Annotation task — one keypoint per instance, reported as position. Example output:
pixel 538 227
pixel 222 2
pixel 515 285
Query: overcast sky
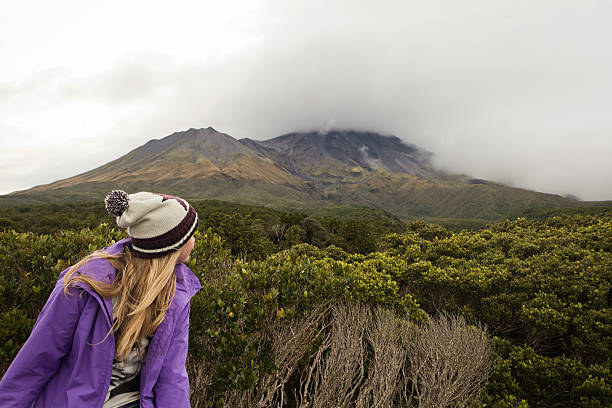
pixel 514 91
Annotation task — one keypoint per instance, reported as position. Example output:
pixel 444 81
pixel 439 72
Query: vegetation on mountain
pixel 272 324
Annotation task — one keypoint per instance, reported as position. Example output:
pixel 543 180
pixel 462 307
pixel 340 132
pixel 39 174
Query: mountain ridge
pixel 299 169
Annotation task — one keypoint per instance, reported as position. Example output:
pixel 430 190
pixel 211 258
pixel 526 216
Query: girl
pixel 114 331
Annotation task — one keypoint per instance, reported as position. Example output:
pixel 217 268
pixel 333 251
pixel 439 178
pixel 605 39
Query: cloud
pixel 132 79
pixel 24 166
pixel 510 91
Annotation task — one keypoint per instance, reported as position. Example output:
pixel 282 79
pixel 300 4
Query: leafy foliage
pixel 542 288
pixel 249 231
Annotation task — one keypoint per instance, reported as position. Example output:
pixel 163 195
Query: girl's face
pixel 186 250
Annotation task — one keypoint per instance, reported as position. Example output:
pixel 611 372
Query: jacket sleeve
pixel 40 356
pixel 172 386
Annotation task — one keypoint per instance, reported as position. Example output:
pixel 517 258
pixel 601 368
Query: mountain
pixel 300 169
pixel 197 163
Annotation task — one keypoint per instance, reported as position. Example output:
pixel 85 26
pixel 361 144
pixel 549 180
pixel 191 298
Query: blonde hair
pixel 145 288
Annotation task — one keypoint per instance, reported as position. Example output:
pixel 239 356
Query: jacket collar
pixel 186 280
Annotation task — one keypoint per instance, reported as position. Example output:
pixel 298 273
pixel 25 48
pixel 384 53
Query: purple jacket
pixel 60 364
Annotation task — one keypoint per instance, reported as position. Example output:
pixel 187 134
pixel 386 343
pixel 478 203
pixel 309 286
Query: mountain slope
pixel 191 154
pixel 328 157
pixel 308 169
pixel 196 162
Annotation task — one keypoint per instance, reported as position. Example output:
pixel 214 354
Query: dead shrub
pixel 338 367
pixel 388 357
pixel 449 363
pixel 291 343
pixel 355 355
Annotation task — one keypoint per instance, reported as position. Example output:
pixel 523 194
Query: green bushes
pixel 542 288
pixel 239 300
pixel 521 374
pixel 249 231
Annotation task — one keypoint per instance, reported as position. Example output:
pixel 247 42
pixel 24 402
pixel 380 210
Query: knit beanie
pixel 156 223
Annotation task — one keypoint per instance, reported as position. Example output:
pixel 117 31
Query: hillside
pixel 197 163
pixel 298 170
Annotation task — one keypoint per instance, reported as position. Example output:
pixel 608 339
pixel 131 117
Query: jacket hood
pixel 187 284
pixel 103 271
pixel 100 269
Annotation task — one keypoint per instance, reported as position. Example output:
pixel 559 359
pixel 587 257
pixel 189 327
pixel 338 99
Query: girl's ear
pixel 186 250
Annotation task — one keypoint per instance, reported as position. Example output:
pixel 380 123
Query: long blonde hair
pixel 145 289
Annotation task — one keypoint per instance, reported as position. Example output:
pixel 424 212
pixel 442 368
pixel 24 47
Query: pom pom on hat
pixel 116 202
pixel 157 224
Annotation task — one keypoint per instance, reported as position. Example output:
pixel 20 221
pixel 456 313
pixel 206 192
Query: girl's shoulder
pixel 99 268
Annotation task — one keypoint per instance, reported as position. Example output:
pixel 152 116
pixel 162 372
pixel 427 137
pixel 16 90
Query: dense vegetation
pixel 251 231
pixel 541 287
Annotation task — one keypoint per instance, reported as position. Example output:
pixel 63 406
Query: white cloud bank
pixel 518 92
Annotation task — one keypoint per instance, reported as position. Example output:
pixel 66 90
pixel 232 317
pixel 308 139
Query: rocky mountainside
pixel 329 157
pixel 302 169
